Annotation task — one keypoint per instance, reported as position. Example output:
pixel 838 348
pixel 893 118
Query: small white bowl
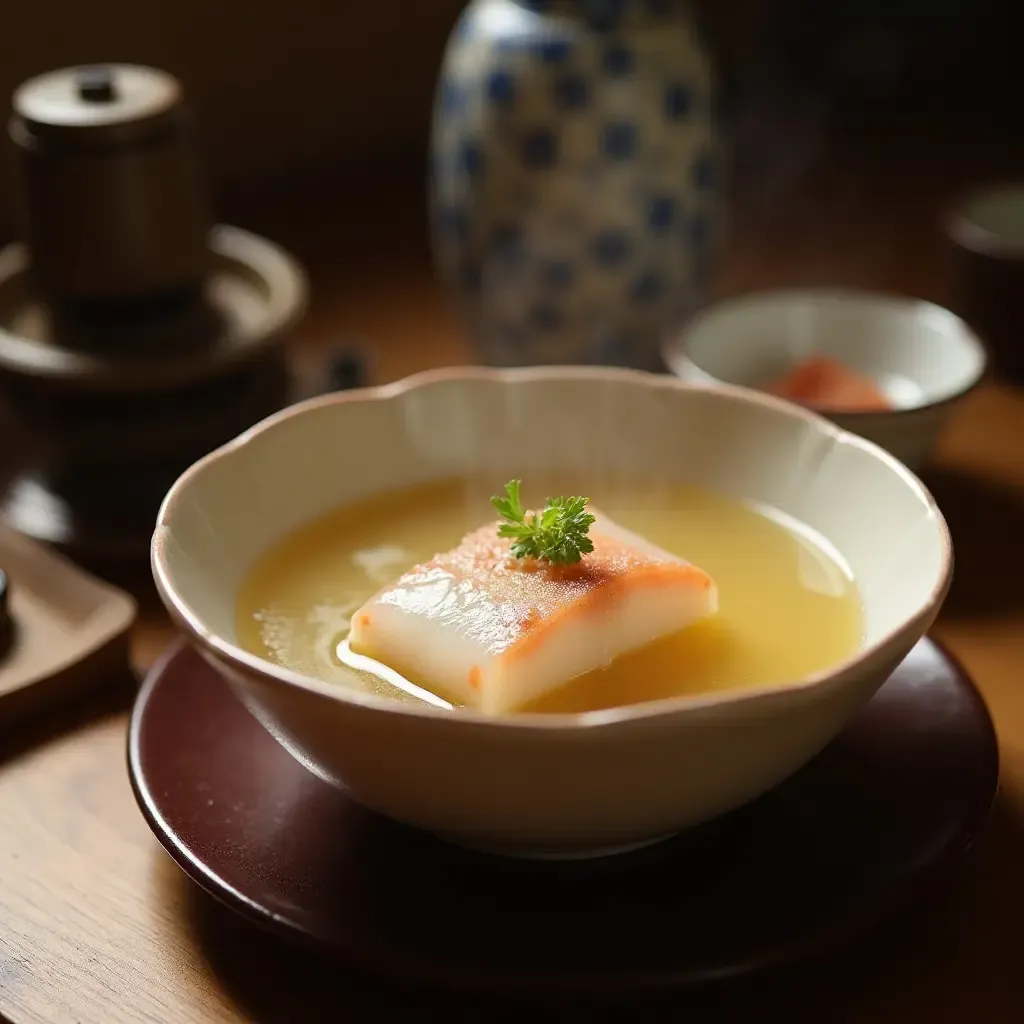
pixel 534 784
pixel 922 357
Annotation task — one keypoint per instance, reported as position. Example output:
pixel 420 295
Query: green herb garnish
pixel 557 535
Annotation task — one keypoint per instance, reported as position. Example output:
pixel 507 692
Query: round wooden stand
pixel 112 408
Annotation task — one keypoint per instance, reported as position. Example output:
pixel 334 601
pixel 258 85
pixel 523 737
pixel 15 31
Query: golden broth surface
pixel 788 605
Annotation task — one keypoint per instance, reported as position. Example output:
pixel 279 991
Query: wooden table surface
pixel 97 926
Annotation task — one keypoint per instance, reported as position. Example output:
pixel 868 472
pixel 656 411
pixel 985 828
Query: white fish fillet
pixel 494 632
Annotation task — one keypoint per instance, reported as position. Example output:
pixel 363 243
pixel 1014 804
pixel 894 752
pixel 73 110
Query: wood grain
pixel 97 926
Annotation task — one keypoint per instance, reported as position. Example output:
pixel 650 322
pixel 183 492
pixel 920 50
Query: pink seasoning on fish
pixel 495 632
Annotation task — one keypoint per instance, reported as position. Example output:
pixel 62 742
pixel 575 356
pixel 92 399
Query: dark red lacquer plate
pixel 899 795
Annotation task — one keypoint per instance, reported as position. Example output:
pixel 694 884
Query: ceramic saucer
pixel 900 795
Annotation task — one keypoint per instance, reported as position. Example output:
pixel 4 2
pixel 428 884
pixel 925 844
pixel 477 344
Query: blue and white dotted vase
pixel 574 177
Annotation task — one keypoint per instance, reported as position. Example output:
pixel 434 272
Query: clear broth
pixel 788 605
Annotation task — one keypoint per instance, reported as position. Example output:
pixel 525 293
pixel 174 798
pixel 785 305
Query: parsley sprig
pixel 558 534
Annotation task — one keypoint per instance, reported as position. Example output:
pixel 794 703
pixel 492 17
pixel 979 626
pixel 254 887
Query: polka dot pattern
pixel 575 178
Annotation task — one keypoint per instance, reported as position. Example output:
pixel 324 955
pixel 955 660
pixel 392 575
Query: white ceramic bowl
pixel 923 358
pixel 560 785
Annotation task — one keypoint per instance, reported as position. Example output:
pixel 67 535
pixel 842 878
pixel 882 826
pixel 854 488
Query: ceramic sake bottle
pixel 574 178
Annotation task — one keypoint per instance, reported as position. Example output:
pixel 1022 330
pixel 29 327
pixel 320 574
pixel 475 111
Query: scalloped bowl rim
pixel 243 661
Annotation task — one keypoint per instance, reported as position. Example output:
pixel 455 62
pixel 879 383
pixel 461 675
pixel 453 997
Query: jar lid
pixel 98 98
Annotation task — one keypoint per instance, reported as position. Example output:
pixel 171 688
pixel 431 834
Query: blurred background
pixel 314 88
pixel 849 127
